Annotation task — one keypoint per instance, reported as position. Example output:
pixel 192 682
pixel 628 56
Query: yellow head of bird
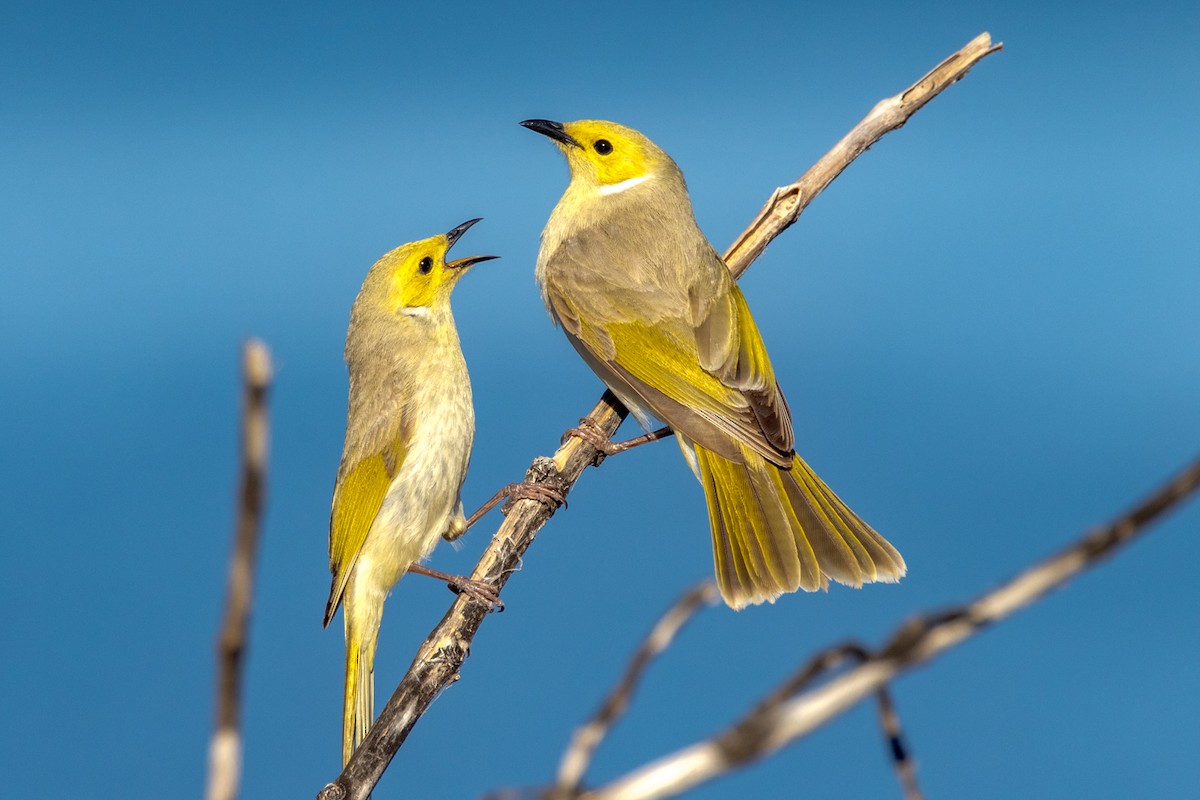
pixel 605 155
pixel 417 275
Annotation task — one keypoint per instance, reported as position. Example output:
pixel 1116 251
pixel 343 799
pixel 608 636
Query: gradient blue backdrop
pixel 987 329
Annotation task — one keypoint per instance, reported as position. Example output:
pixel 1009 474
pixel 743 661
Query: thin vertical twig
pixel 225 751
pixel 898 750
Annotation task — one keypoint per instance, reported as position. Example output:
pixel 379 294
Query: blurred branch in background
pixel 441 655
pixel 225 751
pixel 588 737
pixel 785 715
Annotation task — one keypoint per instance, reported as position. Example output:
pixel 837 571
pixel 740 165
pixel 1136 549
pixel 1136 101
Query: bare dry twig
pixel 784 717
pixel 588 737
pixel 788 202
pixel 225 751
pixel 440 656
pixel 889 720
pixel 902 763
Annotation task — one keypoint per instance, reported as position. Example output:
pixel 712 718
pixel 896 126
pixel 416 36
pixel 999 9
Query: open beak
pixel 552 129
pixel 463 263
pixel 453 236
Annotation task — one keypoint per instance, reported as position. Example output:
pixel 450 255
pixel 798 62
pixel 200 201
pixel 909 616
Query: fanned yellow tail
pixel 777 530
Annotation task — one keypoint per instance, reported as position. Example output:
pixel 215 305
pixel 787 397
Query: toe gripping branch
pixel 484 592
pixel 525 490
pixel 533 487
pixel 589 431
pixel 546 495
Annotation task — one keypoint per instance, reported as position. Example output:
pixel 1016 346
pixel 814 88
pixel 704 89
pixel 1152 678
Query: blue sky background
pixel 987 329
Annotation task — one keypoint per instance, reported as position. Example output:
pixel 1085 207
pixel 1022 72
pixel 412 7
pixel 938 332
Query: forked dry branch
pixel 786 715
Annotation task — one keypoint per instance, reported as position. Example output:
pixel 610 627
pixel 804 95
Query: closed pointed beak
pixel 554 130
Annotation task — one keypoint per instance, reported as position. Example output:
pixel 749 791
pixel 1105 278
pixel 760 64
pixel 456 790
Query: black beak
pixel 453 236
pixel 463 263
pixel 552 129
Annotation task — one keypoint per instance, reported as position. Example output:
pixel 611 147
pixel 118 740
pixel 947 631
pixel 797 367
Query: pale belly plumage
pixel 424 498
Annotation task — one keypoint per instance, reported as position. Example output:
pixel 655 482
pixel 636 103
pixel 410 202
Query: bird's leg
pixel 590 432
pixel 482 591
pixel 519 491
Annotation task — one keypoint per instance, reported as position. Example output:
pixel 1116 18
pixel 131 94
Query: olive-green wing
pixel 703 369
pixel 364 478
pixel 731 348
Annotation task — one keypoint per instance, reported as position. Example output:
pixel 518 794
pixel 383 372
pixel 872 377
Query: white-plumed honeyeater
pixel 652 308
pixel 409 430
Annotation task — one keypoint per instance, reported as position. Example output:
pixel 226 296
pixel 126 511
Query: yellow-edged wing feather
pixel 695 377
pixel 357 499
pixel 701 367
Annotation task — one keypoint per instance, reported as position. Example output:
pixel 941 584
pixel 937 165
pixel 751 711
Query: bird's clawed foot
pixel 590 432
pixel 484 592
pixel 546 495
pixel 513 492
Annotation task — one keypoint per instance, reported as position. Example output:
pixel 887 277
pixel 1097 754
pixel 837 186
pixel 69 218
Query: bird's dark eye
pixel 603 146
pixel 425 266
